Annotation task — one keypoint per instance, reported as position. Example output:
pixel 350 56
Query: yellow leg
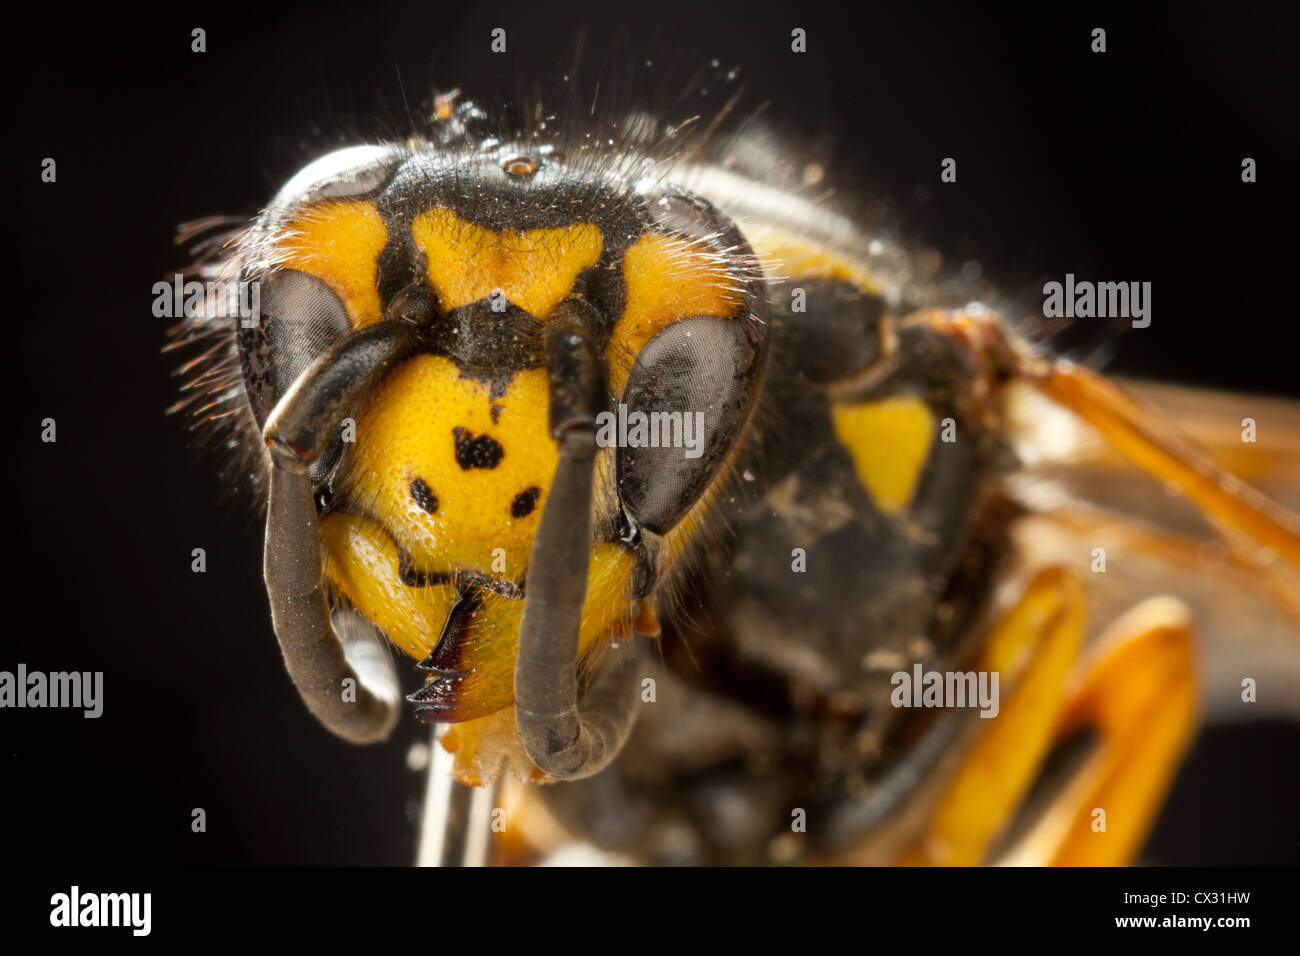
pixel 1139 689
pixel 1032 648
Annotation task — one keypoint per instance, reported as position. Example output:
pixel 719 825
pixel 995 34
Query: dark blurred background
pixel 1117 166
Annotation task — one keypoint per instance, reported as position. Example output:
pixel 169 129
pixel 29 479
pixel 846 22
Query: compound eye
pixel 299 318
pixel 694 382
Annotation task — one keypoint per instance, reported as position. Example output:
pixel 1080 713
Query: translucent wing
pixel 1229 554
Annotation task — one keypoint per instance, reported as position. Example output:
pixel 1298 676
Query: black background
pixel 1118 166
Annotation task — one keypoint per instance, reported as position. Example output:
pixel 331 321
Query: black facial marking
pixel 495 411
pixel 462 579
pixel 424 496
pixel 525 502
pixel 476 451
pixel 489 346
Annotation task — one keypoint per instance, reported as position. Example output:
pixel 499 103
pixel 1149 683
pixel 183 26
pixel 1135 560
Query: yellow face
pixel 453 483
pixel 448 474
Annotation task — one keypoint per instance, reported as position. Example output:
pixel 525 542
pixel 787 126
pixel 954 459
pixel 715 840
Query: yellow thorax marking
pixel 534 269
pixel 795 257
pixel 889 441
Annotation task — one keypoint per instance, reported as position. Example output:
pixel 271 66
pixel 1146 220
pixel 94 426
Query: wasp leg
pixel 1035 643
pixel 1138 688
pixel 346 679
pixel 561 740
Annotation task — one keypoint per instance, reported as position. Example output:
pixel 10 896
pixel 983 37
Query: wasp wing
pixel 1131 533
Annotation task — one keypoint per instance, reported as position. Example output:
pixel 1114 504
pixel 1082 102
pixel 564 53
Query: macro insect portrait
pixel 712 438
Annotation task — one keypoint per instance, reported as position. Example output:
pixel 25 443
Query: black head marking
pixel 476 451
pixel 525 502
pixel 424 496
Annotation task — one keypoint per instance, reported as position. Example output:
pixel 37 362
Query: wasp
pixel 696 503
